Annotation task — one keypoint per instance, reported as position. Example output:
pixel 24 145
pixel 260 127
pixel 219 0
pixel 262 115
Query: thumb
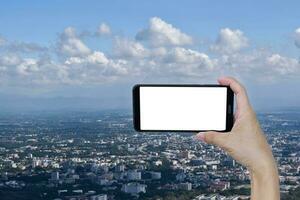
pixel 214 138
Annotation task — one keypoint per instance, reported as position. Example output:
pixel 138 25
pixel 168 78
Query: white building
pixel 134 175
pixel 134 188
pixel 214 167
pixel 36 163
pixel 209 197
pixel 99 197
pixel 185 186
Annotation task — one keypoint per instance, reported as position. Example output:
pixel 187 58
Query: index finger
pixel 239 90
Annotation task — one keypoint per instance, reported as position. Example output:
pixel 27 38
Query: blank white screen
pixel 183 108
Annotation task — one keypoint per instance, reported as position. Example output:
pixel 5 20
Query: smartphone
pixel 182 108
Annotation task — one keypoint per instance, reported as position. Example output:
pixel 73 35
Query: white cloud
pixel 71 45
pixel 126 48
pixel 94 58
pixel 283 65
pixel 297 37
pixel 28 66
pixel 104 29
pixel 160 33
pixel 74 62
pixel 258 65
pixel 158 52
pixel 9 60
pixel 21 47
pixel 188 56
pixel 95 68
pixel 230 41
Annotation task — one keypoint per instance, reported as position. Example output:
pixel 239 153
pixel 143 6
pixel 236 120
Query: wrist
pixel 265 183
pixel 265 174
pixel 264 169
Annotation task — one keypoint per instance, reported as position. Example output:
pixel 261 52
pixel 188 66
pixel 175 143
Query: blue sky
pixel 55 51
pixel 40 20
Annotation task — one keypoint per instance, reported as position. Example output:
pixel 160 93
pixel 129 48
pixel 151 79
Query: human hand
pixel 246 142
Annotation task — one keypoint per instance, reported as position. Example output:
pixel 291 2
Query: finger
pixel 239 91
pixel 214 138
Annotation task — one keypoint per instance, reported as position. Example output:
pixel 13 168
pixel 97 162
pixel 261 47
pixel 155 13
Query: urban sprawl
pixel 98 156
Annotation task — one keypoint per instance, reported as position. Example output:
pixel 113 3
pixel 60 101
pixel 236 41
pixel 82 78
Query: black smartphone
pixel 182 108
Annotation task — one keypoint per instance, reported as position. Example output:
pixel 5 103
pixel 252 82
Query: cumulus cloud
pixel 96 68
pixel 104 29
pixel 282 64
pixel 159 51
pixel 27 67
pixel 94 58
pixel 160 33
pixel 297 37
pixel 230 41
pixel 188 56
pixel 71 45
pixel 259 65
pixel 128 48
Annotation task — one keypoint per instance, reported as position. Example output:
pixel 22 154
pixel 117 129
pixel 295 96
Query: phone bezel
pixel 136 106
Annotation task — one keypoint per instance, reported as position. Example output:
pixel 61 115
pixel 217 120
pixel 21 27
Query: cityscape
pixel 67 70
pixel 98 156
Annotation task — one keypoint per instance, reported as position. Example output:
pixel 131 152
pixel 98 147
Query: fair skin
pixel 247 144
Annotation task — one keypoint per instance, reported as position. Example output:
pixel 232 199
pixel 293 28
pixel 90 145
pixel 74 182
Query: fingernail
pixel 200 136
